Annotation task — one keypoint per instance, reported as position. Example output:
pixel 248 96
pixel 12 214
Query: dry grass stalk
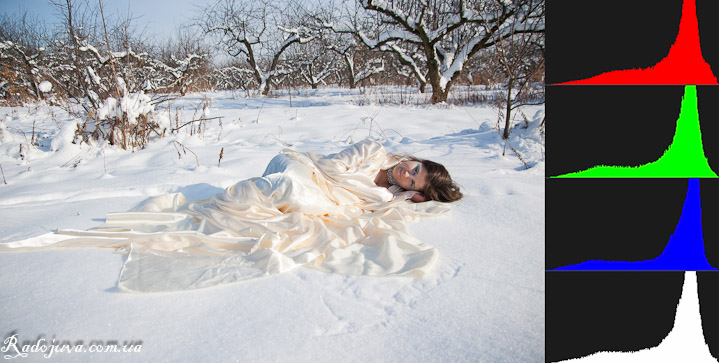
pixel 3 175
pixel 184 151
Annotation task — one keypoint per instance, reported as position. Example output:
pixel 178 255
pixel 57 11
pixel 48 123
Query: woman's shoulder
pixel 367 144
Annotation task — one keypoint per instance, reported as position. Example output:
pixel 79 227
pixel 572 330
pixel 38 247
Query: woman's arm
pixel 418 197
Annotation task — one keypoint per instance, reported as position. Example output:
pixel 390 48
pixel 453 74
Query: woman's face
pixel 410 175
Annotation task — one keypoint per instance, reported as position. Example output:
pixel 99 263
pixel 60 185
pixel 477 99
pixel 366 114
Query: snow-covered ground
pixel 483 302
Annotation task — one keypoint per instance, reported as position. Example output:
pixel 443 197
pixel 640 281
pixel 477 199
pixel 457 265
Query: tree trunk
pixel 266 89
pixel 508 112
pixel 29 71
pixel 75 55
pixel 422 86
pixel 438 94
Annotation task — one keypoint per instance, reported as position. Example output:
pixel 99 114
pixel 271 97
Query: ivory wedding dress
pixel 307 209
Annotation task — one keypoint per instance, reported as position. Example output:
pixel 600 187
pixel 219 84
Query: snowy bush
pixel 129 122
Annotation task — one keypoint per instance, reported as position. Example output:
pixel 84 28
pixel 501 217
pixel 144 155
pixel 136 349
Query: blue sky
pixel 161 17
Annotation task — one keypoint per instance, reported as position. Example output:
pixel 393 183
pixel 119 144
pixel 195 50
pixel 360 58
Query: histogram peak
pixel 684 250
pixel 684 158
pixel 684 63
pixel 685 342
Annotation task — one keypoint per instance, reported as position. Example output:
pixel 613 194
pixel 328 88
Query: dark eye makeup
pixel 416 171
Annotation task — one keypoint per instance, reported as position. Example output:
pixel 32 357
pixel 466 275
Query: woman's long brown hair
pixel 439 184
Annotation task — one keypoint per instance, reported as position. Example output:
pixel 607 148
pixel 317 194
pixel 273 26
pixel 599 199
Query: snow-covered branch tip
pixel 301 35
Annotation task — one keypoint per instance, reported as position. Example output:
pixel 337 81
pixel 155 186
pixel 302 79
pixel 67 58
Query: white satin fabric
pixel 306 210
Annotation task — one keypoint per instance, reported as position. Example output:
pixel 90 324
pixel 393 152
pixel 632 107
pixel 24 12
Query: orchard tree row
pixel 116 72
pixel 256 45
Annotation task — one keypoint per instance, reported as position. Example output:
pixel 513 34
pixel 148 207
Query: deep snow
pixel 484 301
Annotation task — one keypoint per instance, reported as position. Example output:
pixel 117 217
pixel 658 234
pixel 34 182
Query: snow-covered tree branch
pixel 444 34
pixel 257 31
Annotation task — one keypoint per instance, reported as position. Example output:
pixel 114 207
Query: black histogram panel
pixel 708 18
pixel 709 193
pixel 708 105
pixel 708 288
pixel 588 312
pixel 610 219
pixel 586 38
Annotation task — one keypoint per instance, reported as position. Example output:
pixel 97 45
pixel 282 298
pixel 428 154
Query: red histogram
pixel 683 65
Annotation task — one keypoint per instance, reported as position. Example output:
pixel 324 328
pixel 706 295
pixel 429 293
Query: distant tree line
pixel 261 45
pixel 257 45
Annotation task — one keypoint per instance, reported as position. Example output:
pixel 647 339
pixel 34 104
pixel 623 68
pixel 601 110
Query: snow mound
pixel 45 86
pixel 133 105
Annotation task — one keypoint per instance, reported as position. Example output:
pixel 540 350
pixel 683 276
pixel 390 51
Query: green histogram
pixel 683 159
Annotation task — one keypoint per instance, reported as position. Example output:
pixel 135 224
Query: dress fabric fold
pixel 307 209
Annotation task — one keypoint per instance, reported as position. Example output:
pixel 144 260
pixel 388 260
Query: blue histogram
pixel 683 252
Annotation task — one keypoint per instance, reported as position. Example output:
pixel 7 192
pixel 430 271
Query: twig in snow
pixel 75 160
pixel 3 175
pixel 526 120
pixel 472 117
pixel 278 139
pixel 221 153
pixel 219 135
pixel 506 142
pixel 33 141
pixel 257 121
pixel 185 150
pixel 198 120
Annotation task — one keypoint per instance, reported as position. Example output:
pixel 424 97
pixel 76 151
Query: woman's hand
pixel 418 197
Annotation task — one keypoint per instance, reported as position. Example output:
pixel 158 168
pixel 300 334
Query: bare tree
pixel 100 62
pixel 79 26
pixel 520 59
pixel 436 38
pixel 314 63
pixel 231 77
pixel 257 31
pixel 360 64
pixel 23 42
pixel 182 62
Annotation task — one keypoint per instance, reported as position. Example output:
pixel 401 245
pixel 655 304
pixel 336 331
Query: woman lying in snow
pixel 342 213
